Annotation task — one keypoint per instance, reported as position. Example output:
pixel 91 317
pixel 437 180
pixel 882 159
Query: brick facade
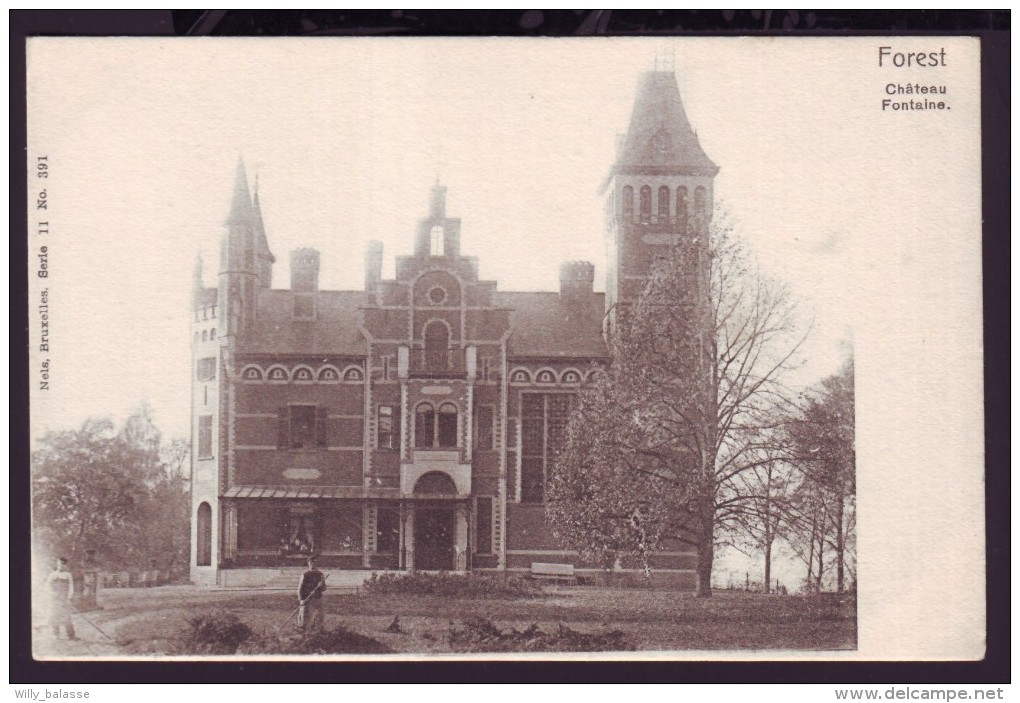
pixel 413 424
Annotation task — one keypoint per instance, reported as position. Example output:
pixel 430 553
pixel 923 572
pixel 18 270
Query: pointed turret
pixel 239 273
pixel 240 206
pixel 197 289
pixel 659 193
pixel 660 136
pixel 262 253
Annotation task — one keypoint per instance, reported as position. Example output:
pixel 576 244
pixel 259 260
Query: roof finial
pixel 669 60
pixel 664 60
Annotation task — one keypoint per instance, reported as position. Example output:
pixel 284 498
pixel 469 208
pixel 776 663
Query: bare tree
pixel 824 515
pixel 686 409
pixel 768 488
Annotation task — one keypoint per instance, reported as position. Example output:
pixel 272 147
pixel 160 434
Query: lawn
pixel 150 621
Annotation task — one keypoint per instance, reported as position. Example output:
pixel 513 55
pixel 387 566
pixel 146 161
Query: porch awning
pixel 311 492
pixel 448 497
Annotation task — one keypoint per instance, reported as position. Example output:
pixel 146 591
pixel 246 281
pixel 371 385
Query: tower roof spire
pixel 660 137
pixel 261 241
pixel 240 206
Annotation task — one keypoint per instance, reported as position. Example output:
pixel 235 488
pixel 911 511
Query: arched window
pixel 646 203
pixel 212 334
pixel 353 374
pixel 437 346
pixel 447 430
pixel 681 203
pixel 203 556
pixel 252 373
pixel 424 426
pixel 628 203
pixel 205 336
pixel 664 204
pixel 436 236
pixel 699 199
pixel 435 430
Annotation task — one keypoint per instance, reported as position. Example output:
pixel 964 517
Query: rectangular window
pixel 543 437
pixel 205 369
pixel 483 526
pixel 300 533
pixel 447 433
pixel 341 527
pixel 205 436
pixel 483 427
pixel 387 530
pixel 301 427
pixel 389 427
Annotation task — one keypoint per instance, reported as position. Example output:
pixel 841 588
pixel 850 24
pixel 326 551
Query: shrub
pixel 481 635
pixel 471 585
pixel 338 640
pixel 214 633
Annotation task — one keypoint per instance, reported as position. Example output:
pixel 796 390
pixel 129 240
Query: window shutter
pixel 321 416
pixel 283 428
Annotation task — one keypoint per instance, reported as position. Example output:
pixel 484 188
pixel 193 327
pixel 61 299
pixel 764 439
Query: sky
pixel 870 216
pixel 346 138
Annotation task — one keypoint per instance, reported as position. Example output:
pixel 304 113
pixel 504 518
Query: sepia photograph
pixel 466 348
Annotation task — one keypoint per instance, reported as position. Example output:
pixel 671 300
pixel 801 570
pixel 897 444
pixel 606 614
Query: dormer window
pixel 436 239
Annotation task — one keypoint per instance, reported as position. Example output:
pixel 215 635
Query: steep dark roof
pixel 543 325
pixel 240 205
pixel 261 243
pixel 660 137
pixel 547 325
pixel 333 331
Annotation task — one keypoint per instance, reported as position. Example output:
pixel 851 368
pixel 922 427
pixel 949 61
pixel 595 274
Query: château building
pixel 414 424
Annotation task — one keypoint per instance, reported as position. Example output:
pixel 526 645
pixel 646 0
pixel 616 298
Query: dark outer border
pixel 993 29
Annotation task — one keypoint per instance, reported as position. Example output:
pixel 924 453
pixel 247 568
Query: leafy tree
pixel 660 441
pixel 119 492
pixel 86 488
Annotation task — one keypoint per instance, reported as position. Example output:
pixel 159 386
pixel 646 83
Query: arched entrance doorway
pixel 434 524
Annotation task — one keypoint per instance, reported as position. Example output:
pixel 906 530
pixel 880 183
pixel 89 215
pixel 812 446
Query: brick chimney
pixel 304 270
pixel 577 279
pixel 373 264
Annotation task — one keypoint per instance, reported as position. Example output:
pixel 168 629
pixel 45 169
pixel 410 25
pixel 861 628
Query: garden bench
pixel 555 572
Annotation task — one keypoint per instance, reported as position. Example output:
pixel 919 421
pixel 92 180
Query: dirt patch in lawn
pixel 150 623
